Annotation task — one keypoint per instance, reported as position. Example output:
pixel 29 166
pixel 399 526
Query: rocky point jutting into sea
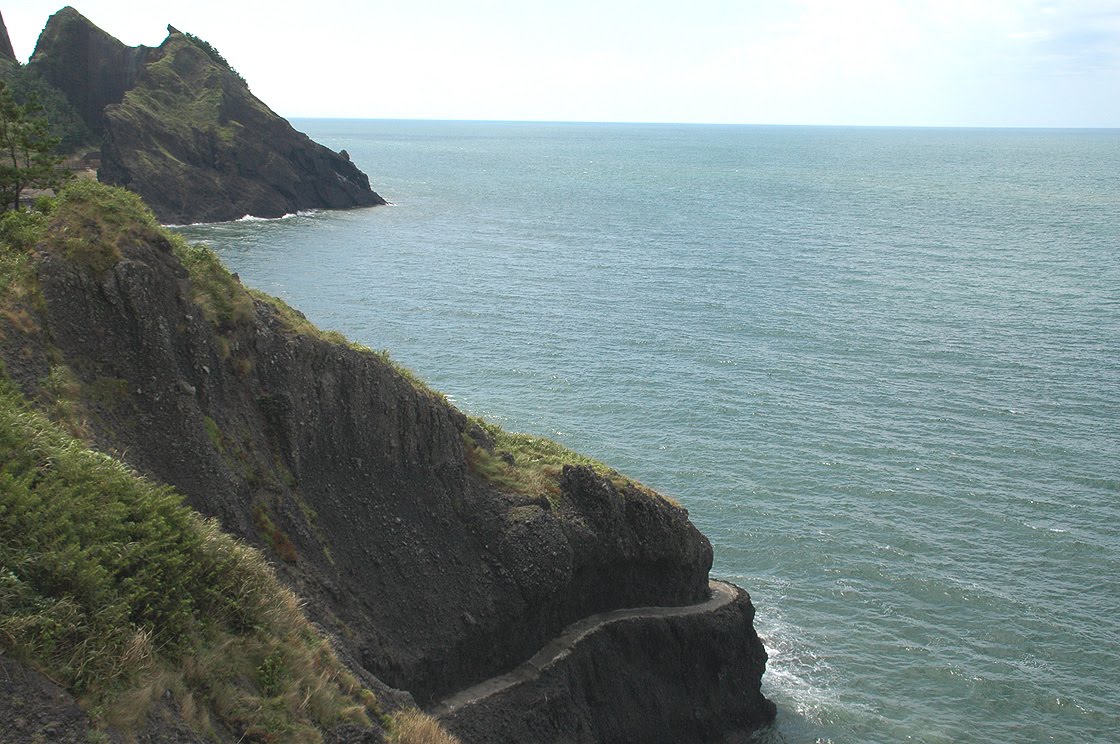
pixel 177 125
pixel 515 591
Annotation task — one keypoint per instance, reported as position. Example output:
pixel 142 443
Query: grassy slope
pixel 113 587
pixel 119 592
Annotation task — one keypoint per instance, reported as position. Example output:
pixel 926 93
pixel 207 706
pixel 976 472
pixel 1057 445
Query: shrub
pixel 417 727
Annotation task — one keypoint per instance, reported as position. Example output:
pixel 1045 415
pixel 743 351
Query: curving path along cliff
pixel 561 646
pixel 558 694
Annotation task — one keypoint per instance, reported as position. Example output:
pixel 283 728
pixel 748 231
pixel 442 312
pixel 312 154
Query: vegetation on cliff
pixel 435 550
pixel 118 591
pixel 108 582
pixel 27 148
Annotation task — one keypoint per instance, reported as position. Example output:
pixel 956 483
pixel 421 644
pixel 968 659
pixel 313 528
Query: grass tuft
pixel 531 465
pixel 417 727
pixel 20 231
pixel 279 539
pixel 223 300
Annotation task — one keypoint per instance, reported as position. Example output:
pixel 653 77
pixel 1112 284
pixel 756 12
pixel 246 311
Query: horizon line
pixel 454 120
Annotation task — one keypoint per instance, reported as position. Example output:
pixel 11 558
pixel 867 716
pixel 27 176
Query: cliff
pixel 6 51
pixel 435 550
pixel 180 127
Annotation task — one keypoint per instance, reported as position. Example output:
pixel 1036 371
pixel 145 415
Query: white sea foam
pixel 287 216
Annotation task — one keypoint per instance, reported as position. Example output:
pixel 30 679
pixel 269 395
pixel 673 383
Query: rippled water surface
pixel 880 367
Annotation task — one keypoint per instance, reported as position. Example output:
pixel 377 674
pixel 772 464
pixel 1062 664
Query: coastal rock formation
pixel 90 67
pixel 372 495
pixel 701 664
pixel 6 51
pixel 181 128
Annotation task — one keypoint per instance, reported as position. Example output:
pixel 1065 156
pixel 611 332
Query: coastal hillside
pixel 178 125
pixel 433 550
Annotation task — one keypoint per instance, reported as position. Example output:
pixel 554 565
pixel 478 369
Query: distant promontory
pixel 179 126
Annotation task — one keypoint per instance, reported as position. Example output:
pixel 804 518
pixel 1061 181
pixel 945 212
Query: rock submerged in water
pixel 181 128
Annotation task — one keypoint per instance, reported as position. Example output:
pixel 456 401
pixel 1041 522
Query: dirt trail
pixel 561 646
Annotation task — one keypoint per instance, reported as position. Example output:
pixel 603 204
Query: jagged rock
pixel 180 127
pixel 6 51
pixel 687 679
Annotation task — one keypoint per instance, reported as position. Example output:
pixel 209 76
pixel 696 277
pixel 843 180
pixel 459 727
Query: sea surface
pixel 881 368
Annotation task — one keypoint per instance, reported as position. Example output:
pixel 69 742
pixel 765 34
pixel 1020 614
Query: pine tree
pixel 27 148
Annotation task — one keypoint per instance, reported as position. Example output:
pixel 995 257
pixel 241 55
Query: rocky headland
pixel 436 555
pixel 177 125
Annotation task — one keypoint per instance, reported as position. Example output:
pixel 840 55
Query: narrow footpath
pixel 560 646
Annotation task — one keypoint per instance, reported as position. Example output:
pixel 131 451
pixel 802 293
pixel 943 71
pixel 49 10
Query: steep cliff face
pixel 6 51
pixel 365 487
pixel 90 67
pixel 707 664
pixel 180 127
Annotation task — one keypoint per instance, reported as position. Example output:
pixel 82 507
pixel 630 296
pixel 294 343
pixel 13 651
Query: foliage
pixel 27 148
pixel 417 727
pixel 65 123
pixel 279 539
pixel 114 588
pixel 214 54
pixel 19 232
pixel 223 300
pixel 92 223
pixel 531 465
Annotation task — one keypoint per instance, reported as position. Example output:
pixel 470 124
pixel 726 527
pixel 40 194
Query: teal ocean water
pixel 880 367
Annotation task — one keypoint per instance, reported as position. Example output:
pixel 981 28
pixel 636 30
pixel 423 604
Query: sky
pixel 989 63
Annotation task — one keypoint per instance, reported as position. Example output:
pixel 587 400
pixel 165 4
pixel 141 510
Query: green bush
pixel 92 223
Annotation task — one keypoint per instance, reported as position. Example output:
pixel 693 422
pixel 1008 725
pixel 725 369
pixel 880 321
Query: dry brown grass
pixel 417 727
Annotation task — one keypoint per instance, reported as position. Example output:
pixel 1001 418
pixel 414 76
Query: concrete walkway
pixel 561 646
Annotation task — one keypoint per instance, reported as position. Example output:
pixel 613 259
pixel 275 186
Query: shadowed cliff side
pixel 376 499
pixel 181 128
pixel 6 51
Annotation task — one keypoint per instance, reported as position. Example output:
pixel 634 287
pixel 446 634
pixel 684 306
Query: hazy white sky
pixel 877 62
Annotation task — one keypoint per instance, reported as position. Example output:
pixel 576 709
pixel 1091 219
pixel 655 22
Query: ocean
pixel 880 367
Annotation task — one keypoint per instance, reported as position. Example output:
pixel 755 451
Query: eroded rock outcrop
pixel 683 677
pixel 359 483
pixel 6 51
pixel 89 66
pixel 181 128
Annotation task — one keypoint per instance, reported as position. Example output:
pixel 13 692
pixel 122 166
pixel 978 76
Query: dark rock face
pixel 182 129
pixel 430 578
pixel 6 51
pixel 34 709
pixel 90 67
pixel 674 680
